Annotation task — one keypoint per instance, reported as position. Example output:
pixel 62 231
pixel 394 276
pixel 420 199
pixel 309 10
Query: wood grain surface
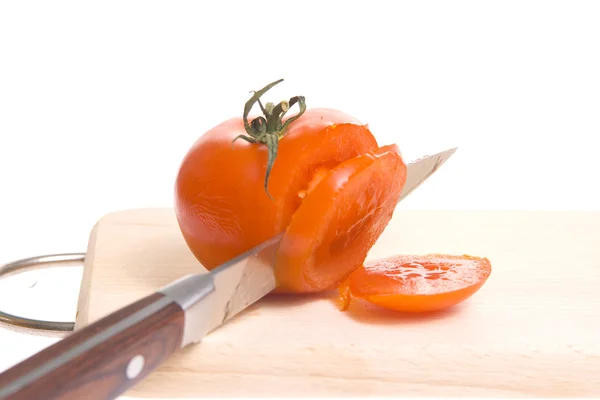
pixel 532 330
pixel 88 373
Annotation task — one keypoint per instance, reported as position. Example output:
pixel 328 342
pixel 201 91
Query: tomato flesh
pixel 221 205
pixel 417 283
pixel 339 221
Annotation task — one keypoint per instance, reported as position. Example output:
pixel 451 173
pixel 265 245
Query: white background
pixel 100 101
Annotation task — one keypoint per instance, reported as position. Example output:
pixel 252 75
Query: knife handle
pixel 106 358
pixel 102 360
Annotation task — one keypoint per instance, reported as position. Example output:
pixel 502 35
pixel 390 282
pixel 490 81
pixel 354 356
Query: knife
pixel 108 357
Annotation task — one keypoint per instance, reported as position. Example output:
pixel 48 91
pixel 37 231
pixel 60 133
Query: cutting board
pixel 532 330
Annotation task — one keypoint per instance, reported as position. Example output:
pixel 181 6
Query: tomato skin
pixel 221 205
pixel 423 283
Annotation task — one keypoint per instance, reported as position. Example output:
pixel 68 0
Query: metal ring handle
pixel 33 263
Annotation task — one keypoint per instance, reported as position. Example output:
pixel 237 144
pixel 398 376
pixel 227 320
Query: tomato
pixel 242 182
pixel 332 231
pixel 416 283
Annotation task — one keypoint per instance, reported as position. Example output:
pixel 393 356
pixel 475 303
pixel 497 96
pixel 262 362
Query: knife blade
pixel 225 291
pixel 109 356
pixel 419 170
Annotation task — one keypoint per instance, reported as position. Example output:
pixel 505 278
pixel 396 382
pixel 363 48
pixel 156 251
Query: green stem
pixel 268 130
pixel 250 103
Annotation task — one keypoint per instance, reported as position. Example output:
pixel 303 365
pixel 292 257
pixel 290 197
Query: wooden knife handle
pixel 104 359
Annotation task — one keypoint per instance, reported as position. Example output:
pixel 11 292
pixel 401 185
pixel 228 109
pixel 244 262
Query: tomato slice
pixel 339 221
pixel 416 283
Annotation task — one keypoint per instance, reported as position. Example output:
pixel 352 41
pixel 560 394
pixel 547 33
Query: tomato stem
pixel 269 129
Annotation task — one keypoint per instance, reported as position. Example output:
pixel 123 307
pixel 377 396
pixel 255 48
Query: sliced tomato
pixel 221 204
pixel 339 221
pixel 320 176
pixel 416 283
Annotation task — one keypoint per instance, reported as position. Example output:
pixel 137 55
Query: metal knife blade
pixel 210 299
pixel 422 168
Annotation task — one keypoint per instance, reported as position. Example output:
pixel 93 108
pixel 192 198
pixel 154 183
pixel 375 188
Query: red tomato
pixel 416 283
pixel 224 207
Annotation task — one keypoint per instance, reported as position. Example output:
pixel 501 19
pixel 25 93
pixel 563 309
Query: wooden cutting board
pixel 532 330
